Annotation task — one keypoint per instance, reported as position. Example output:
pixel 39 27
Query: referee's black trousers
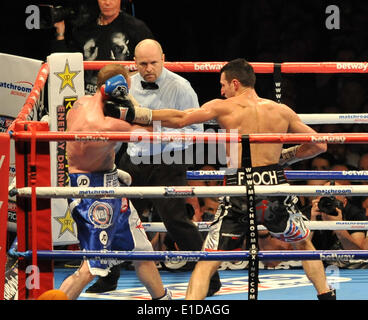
pixel 172 211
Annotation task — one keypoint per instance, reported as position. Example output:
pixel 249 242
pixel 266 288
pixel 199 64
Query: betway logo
pixel 352 66
pixel 335 257
pixel 208 66
pixel 355 173
pixel 330 139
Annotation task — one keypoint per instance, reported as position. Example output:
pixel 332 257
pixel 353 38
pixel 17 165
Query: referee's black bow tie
pixel 149 85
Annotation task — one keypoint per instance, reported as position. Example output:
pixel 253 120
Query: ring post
pixel 4 176
pixel 33 279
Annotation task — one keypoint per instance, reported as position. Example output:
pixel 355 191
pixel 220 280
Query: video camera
pixel 329 205
pixel 74 12
pixel 60 13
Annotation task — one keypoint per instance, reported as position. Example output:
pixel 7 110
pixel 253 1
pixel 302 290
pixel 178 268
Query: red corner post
pixel 32 162
pixel 4 176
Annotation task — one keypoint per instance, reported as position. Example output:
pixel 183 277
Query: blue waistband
pixel 95 179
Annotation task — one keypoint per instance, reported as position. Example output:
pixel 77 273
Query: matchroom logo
pixel 18 88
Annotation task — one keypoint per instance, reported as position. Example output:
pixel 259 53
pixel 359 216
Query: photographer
pixel 336 208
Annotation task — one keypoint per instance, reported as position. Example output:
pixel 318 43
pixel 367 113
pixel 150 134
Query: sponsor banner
pixel 65 86
pixel 16 82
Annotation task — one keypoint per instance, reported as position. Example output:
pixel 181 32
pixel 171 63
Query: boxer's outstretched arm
pixel 173 118
pixel 305 150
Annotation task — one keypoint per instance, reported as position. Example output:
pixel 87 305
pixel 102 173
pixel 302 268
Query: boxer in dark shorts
pixel 279 215
pixel 243 112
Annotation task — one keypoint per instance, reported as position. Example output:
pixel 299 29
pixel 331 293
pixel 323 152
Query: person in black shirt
pixel 111 35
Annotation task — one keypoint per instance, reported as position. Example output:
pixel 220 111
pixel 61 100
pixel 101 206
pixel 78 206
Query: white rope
pixel 176 256
pixel 334 118
pixel 184 192
pixel 312 225
pixel 327 118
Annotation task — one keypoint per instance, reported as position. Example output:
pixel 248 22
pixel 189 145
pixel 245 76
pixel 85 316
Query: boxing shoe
pixel 295 230
pixel 108 283
pixel 166 296
pixel 215 285
pixel 290 226
pixel 329 295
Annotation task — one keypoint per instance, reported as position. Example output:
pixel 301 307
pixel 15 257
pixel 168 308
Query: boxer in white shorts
pixel 98 220
pixel 107 223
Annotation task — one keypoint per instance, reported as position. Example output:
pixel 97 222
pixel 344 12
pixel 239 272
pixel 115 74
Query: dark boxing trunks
pixel 228 230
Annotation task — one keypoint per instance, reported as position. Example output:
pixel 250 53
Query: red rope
pixel 259 67
pixel 334 138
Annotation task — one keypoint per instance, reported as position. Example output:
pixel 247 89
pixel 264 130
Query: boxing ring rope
pixel 334 118
pixel 185 191
pixel 208 191
pixel 353 175
pixel 332 138
pixel 197 191
pixel 259 67
pixel 324 255
pixel 204 226
pixel 324 67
